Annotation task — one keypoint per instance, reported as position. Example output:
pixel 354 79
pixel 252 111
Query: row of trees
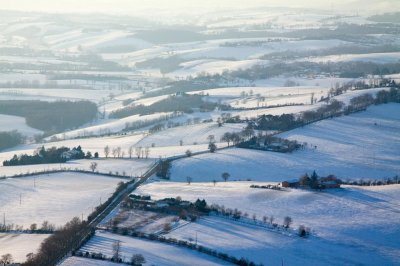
pixel 179 103
pixel 69 237
pixel 136 259
pixel 286 122
pixel 50 155
pixel 46 228
pixel 140 152
pixel 193 246
pixel 59 244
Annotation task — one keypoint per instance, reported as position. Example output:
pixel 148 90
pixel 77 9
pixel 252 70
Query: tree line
pixel 10 139
pixel 178 103
pixel 51 116
pixel 50 155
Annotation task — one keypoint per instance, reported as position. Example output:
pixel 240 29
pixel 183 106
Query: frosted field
pixel 351 226
pixel 273 96
pixel 189 135
pixel 380 58
pixel 110 125
pixel 19 245
pixel 131 167
pixel 78 261
pixel 10 122
pixel 155 253
pixel 351 147
pixel 88 144
pixel 56 198
pixel 271 248
pixel 56 94
pixel 194 68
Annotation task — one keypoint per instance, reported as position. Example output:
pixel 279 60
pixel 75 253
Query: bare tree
pixel 189 179
pixel 147 152
pixel 106 151
pixel 271 219
pixel 138 259
pixel 138 151
pixel 227 137
pixel 265 218
pixel 211 138
pixel 93 166
pixel 225 176
pixel 116 250
pixel 119 152
pixel 6 259
pixel 287 221
pixel 130 151
pixel 215 182
pixel 115 152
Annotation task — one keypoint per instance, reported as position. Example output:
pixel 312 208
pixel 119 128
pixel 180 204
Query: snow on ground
pixel 362 145
pixel 295 109
pixel 271 248
pixel 131 167
pixel 351 226
pixel 155 253
pixel 94 144
pixel 10 122
pixel 56 198
pixel 19 245
pixel 111 125
pixel 55 94
pixel 189 135
pixel 251 97
pixel 78 261
pixel 380 58
pixel 194 68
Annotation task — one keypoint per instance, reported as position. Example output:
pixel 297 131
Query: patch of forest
pixel 51 116
pixel 178 103
pixel 10 139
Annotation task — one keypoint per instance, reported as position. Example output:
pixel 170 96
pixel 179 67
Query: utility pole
pixel 4 219
pixel 20 198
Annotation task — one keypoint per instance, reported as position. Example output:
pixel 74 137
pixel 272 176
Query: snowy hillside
pixel 56 198
pixel 362 145
pixel 353 225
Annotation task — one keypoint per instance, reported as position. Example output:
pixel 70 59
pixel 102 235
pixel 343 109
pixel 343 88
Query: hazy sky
pixel 136 6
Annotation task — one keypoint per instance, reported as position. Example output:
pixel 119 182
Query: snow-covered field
pixel 78 261
pixel 56 94
pixel 351 226
pixel 155 253
pixel 189 135
pixel 56 198
pixel 19 245
pixel 111 125
pixel 10 122
pixel 362 145
pixel 131 167
pixel 380 58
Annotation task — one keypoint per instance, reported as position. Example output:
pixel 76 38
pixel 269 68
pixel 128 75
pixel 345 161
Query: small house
pixel 290 183
pixel 330 181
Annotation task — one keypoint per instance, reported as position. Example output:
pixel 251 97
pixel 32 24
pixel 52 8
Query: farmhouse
pixel 291 183
pixel 330 181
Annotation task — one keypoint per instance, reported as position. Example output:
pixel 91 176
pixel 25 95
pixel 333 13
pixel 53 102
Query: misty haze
pixel 199 133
